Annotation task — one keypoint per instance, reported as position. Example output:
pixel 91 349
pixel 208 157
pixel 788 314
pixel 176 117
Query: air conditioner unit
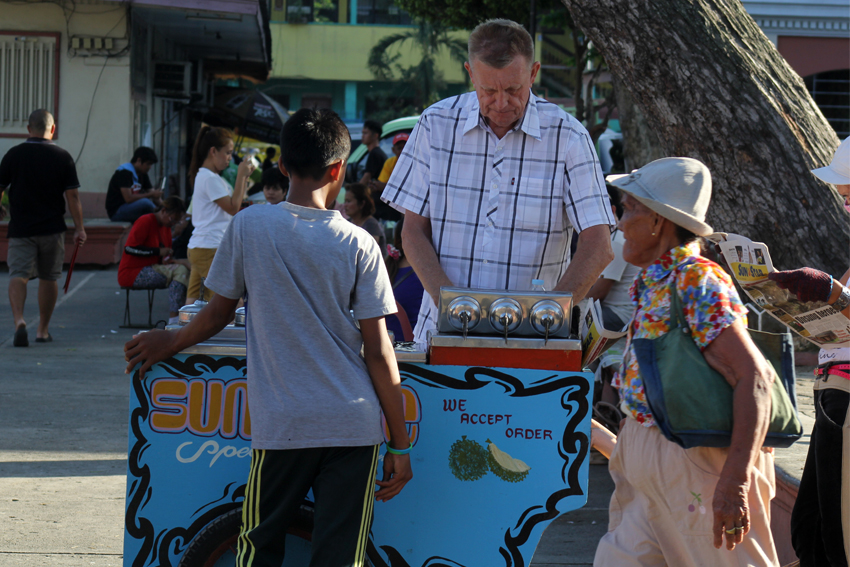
pixel 172 79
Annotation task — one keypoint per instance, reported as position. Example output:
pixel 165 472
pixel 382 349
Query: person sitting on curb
pixel 130 194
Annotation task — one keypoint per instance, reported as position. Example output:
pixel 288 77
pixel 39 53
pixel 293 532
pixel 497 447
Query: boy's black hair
pixel 374 126
pixel 273 176
pixel 147 155
pixel 311 140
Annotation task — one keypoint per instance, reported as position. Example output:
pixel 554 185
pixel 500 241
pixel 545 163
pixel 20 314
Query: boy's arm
pixel 383 370
pixel 155 346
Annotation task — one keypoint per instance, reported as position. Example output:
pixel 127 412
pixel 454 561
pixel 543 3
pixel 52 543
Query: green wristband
pixel 392 451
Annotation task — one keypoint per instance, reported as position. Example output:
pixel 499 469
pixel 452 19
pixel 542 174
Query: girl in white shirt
pixel 213 202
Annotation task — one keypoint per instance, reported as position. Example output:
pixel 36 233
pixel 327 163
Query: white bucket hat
pixel 837 172
pixel 677 188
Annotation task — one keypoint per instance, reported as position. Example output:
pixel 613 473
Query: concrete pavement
pixel 63 437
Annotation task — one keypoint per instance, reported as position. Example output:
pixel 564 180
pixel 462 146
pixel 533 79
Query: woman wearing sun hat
pixel 820 522
pixel 675 506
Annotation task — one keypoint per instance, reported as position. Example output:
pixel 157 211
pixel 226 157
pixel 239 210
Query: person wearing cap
pixel 383 211
pixel 675 506
pixel 494 183
pixel 399 140
pixel 820 521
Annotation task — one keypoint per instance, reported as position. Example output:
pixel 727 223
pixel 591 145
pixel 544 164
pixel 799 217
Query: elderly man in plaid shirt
pixel 492 184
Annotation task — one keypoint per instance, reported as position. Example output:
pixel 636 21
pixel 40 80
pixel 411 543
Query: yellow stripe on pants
pixel 250 509
pixel 368 508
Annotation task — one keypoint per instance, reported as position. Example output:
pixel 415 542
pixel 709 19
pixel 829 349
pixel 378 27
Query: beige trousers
pixel 661 510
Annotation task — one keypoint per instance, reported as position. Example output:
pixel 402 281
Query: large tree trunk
pixel 640 143
pixel 714 88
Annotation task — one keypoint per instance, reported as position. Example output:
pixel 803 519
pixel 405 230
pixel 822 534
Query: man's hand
pixel 397 473
pixel 2 211
pixel 80 236
pixel 147 349
pixel 163 252
pixel 593 254
pixel 154 194
pixel 807 284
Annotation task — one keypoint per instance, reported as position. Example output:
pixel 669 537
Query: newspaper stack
pixel 750 263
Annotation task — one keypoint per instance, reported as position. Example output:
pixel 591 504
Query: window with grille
pixel 381 12
pixel 29 78
pixel 831 91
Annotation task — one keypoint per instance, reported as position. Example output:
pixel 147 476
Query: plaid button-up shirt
pixel 501 211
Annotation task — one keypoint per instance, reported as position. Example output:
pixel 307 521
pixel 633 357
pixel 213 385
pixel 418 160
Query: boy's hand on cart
pixel 397 473
pixel 147 349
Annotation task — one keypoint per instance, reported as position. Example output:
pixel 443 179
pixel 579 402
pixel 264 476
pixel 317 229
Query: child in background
pixel 275 185
pixel 407 289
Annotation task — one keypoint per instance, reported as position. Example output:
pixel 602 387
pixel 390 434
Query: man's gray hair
pixel 497 43
pixel 40 121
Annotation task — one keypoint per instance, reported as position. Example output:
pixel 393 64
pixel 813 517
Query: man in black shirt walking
pixel 39 175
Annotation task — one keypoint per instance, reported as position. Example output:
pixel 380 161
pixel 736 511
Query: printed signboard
pixel 498 454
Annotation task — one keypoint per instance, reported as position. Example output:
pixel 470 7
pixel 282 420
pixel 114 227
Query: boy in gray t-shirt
pixel 315 402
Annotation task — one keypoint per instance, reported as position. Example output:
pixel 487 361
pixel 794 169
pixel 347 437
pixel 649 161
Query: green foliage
pixel 387 104
pixel 551 15
pixel 466 14
pixel 424 79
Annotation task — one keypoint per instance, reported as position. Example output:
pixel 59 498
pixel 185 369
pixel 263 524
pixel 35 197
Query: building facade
pixel 320 50
pixel 814 37
pixel 118 74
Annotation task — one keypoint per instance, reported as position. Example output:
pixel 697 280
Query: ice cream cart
pixel 497 410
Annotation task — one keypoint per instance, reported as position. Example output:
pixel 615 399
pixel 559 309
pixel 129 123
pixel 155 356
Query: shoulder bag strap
pixel 404 277
pixel 677 315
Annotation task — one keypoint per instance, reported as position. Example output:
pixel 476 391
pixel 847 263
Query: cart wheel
pixel 215 545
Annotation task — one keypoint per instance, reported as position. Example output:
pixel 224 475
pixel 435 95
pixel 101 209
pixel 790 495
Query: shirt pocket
pixel 531 206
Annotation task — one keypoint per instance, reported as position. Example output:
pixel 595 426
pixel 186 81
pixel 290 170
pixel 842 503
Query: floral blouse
pixel 709 302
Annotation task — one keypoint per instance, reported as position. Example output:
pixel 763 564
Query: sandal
pixel 21 338
pixel 47 339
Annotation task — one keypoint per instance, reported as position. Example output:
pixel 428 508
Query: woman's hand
pixel 246 168
pixel 731 511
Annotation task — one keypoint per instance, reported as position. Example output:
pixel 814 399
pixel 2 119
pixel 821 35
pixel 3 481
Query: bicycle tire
pixel 220 536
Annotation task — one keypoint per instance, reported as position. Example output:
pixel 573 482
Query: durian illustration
pixel 504 466
pixel 468 459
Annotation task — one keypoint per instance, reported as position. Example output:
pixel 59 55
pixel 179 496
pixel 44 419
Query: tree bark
pixel 640 143
pixel 713 87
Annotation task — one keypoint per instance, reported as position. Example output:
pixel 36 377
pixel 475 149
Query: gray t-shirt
pixel 304 270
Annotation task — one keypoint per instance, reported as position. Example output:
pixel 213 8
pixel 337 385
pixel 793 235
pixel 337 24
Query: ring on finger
pixel 731 532
pixel 739 528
